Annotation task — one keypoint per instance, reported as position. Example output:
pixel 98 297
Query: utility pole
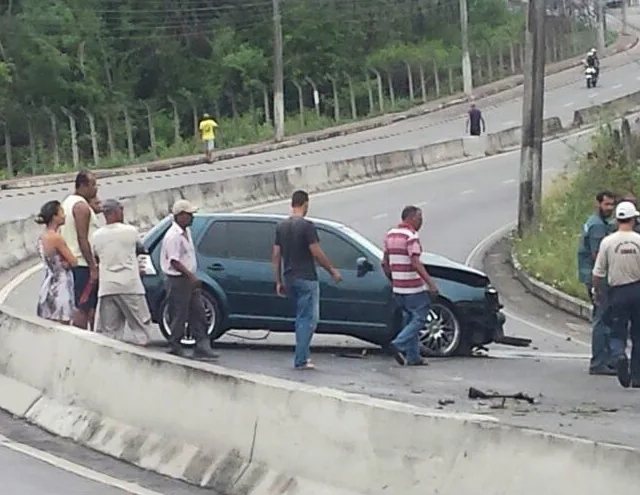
pixel 625 27
pixel 278 74
pixel 600 14
pixel 467 77
pixel 530 197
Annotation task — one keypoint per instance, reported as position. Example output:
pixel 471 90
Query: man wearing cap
pixel 619 260
pixel 208 133
pixel 179 264
pixel 121 295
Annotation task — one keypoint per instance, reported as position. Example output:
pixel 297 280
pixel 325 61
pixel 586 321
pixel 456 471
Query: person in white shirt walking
pixel 121 295
pixel 619 260
pixel 80 224
pixel 179 263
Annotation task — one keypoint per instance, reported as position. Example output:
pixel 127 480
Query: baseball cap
pixel 626 210
pixel 110 205
pixel 183 206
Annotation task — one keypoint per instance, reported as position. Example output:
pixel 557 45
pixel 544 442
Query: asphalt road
pixel 462 204
pixel 566 93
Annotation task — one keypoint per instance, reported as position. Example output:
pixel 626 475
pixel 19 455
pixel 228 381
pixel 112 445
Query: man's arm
pixel 276 261
pixel 82 215
pixel 313 241
pixel 466 125
pixel 386 265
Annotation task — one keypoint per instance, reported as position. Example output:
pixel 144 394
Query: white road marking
pixel 468 191
pixel 593 95
pixel 380 216
pixel 638 78
pixel 617 86
pixel 76 468
pixel 15 282
pixel 569 104
pixel 509 181
pixel 421 204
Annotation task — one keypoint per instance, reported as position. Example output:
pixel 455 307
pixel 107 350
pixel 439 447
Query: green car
pixel 234 264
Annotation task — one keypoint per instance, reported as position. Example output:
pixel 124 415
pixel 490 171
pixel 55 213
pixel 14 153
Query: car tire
pixel 443 335
pixel 212 308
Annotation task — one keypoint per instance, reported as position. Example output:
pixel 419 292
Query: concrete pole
pixel 625 27
pixel 467 77
pixel 530 197
pixel 601 24
pixel 278 74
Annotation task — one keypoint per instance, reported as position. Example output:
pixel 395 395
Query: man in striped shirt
pixel 411 284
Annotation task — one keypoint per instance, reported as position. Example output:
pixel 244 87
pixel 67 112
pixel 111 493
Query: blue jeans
pixel 415 309
pixel 605 347
pixel 625 315
pixel 306 295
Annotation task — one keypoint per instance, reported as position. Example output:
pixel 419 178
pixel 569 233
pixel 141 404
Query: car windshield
pixel 363 241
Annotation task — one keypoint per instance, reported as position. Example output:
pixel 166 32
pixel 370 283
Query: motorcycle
pixel 590 76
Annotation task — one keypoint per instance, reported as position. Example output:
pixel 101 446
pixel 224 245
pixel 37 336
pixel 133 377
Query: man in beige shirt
pixel 619 260
pixel 121 295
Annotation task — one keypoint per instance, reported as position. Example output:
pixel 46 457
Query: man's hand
pixel 433 289
pixel 195 281
pixel 93 274
pixel 335 275
pixel 281 289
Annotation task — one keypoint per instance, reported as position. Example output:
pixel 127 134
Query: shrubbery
pixel 551 254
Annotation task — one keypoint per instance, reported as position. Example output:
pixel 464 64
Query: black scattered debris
pixel 446 402
pixel 474 393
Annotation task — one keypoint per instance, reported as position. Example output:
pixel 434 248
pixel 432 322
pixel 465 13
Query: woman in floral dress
pixel 56 297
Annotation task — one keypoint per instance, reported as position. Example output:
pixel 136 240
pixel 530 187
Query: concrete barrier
pixel 594 114
pixel 246 434
pixel 240 433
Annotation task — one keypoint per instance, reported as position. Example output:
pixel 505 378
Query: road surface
pixel 569 95
pixel 462 204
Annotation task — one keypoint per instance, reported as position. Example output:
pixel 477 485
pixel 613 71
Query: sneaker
pixel 177 351
pixel 420 362
pixel 203 350
pixel 624 375
pixel 605 371
pixel 397 355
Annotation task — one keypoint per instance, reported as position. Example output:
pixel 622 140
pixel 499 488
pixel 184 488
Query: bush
pixel 550 255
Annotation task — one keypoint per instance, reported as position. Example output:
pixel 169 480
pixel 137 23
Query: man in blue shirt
pixel 596 228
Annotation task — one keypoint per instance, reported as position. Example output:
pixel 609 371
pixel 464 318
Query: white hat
pixel 183 206
pixel 626 210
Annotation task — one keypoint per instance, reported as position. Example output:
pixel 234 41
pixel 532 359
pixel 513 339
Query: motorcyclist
pixel 593 61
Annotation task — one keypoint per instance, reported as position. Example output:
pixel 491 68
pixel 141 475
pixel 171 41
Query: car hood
pixel 440 261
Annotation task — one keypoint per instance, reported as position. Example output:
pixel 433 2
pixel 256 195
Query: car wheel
pixel 442 335
pixel 214 318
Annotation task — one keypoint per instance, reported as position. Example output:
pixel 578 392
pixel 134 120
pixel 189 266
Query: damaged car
pixel 238 290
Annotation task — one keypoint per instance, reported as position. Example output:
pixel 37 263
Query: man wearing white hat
pixel 179 263
pixel 619 260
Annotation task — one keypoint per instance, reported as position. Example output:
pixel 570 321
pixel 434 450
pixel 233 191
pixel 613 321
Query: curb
pixel 548 294
pixel 172 163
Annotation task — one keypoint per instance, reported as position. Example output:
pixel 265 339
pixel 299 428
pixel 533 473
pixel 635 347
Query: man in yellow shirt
pixel 208 133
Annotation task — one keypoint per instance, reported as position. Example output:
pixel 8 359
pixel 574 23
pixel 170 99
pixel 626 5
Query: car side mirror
pixel 363 266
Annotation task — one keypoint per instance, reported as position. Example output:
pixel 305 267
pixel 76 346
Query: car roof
pixel 266 216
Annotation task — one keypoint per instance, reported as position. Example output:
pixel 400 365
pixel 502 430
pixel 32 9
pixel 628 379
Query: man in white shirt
pixel 121 295
pixel 179 263
pixel 618 261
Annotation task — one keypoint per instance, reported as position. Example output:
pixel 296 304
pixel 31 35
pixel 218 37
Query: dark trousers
pixel 185 307
pixel 625 318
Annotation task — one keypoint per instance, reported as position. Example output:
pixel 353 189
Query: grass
pixel 550 255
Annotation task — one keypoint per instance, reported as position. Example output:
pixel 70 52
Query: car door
pixel 357 301
pixel 237 254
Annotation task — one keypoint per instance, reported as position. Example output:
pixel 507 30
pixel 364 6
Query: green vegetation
pixel 106 82
pixel 551 254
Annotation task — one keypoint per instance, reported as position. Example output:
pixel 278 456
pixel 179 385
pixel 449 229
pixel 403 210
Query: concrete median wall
pixel 241 433
pixel 253 435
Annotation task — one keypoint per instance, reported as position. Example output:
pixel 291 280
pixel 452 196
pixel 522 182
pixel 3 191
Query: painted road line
pixel 468 191
pixel 569 104
pixel 15 282
pixel 509 181
pixel 76 469
pixel 380 216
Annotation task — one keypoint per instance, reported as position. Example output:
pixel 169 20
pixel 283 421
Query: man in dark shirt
pixel 295 251
pixel 474 120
